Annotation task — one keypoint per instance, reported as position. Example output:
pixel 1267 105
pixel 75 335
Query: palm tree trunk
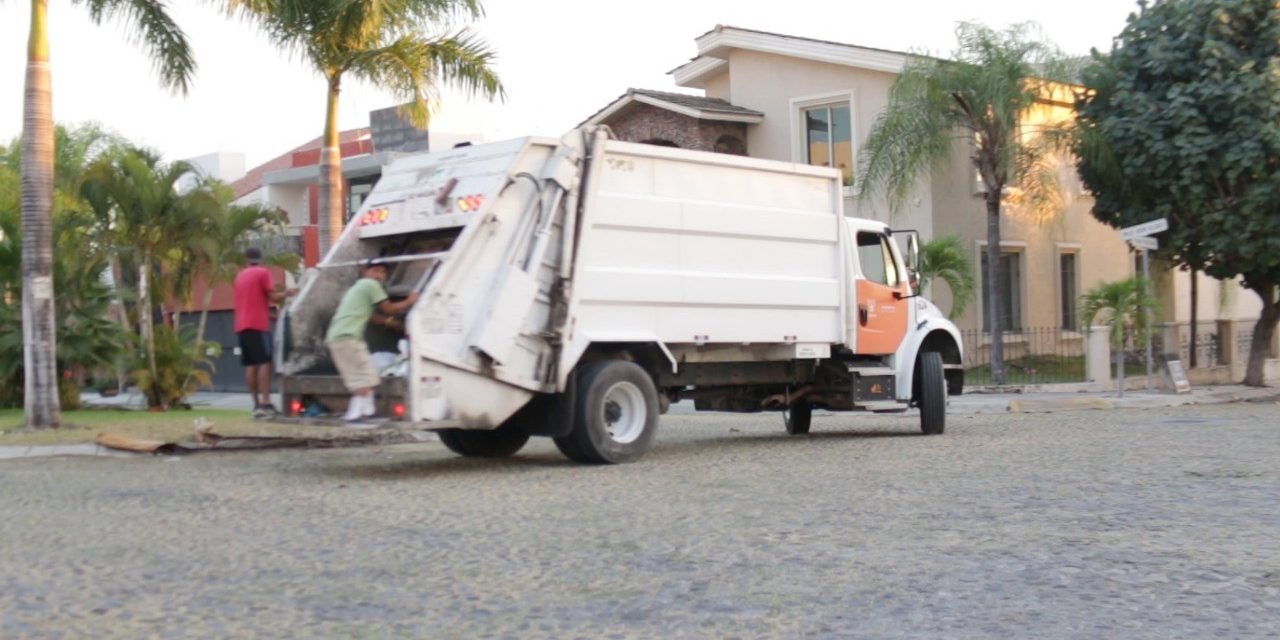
pixel 204 316
pixel 995 320
pixel 1260 347
pixel 145 320
pixel 39 326
pixel 331 206
pixel 117 278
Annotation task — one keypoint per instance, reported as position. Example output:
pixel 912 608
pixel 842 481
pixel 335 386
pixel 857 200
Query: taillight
pixel 471 203
pixel 398 410
pixel 295 407
pixel 374 216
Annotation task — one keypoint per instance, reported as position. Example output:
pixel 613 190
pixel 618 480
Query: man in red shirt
pixel 254 295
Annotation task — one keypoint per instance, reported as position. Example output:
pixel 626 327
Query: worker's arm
pixel 390 308
pixel 279 296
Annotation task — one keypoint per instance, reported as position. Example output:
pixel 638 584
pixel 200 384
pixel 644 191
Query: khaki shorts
pixel 354 364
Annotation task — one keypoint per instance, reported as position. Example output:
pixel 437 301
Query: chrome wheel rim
pixel 623 412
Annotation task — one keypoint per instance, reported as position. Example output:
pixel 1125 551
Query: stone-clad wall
pixel 644 123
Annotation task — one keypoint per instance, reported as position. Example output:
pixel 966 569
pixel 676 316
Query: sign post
pixel 1139 235
pixel 1145 229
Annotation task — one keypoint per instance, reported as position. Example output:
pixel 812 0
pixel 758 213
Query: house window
pixel 1067 287
pixel 876 259
pixel 828 131
pixel 1011 291
pixel 357 190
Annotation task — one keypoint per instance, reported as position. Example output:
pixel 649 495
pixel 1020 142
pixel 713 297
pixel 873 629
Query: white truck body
pixel 534 254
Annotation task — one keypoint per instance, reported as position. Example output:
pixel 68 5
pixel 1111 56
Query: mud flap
pixel 550 414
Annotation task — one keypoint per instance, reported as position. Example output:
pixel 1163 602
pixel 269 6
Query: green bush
pixel 180 368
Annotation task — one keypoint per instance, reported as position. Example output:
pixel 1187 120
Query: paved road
pixel 1126 523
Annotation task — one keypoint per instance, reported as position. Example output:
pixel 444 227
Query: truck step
pixel 883 406
pixel 867 372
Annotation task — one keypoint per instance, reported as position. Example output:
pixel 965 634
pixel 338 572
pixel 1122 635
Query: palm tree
pixel 148 219
pixel 90 339
pixel 1126 305
pixel 979 99
pixel 945 259
pixel 383 43
pixel 171 53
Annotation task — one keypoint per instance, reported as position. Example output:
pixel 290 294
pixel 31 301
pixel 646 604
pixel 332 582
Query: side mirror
pixel 913 253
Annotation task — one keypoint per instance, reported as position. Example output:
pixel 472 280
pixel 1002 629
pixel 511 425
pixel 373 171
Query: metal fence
pixel 1052 355
pixel 1205 339
pixel 1045 355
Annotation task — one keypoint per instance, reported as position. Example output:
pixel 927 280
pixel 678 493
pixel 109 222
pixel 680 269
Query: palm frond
pixel 1124 306
pixel 945 258
pixel 148 22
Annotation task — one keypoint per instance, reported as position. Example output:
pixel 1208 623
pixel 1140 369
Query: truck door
pixel 881 314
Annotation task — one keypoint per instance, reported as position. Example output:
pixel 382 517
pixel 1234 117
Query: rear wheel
pixel 616 416
pixel 797 418
pixel 931 390
pixel 497 443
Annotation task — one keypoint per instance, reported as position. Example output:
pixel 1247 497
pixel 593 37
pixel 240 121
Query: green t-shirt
pixel 353 312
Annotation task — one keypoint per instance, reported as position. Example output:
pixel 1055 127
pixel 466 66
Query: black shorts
pixel 255 347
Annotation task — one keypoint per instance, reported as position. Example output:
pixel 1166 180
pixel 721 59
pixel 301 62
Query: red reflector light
pixel 398 409
pixel 295 407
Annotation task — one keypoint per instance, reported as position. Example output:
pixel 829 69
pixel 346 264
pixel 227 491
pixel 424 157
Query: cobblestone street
pixel 1093 524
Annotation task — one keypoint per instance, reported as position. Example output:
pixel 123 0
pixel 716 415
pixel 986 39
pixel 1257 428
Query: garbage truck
pixel 574 288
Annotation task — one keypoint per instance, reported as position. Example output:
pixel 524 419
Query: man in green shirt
pixel 345 337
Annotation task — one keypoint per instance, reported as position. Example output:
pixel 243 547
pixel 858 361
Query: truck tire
pixel 798 417
pixel 616 414
pixel 504 441
pixel 931 390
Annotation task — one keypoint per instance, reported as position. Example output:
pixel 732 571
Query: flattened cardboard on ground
pixel 206 439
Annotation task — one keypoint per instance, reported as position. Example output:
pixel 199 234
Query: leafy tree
pixel 1181 120
pixel 945 259
pixel 980 98
pixel 1126 307
pixel 168 48
pixel 385 44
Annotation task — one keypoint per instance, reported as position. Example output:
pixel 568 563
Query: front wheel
pixel 931 393
pixel 616 416
pixel 797 418
pixel 504 441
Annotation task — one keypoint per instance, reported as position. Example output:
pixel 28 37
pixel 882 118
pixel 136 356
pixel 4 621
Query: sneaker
pixel 258 413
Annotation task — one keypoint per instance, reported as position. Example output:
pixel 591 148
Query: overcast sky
pixel 560 60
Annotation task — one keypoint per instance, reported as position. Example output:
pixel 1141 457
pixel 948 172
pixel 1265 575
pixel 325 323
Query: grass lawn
pixel 171 426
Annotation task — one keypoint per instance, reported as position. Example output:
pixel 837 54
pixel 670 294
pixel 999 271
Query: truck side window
pixel 877 259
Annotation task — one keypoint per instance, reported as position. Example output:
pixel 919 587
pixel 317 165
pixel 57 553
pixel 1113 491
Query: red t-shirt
pixel 253 296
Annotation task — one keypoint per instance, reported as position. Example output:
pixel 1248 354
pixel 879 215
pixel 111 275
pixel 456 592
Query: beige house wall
pixel 718 87
pixel 780 86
